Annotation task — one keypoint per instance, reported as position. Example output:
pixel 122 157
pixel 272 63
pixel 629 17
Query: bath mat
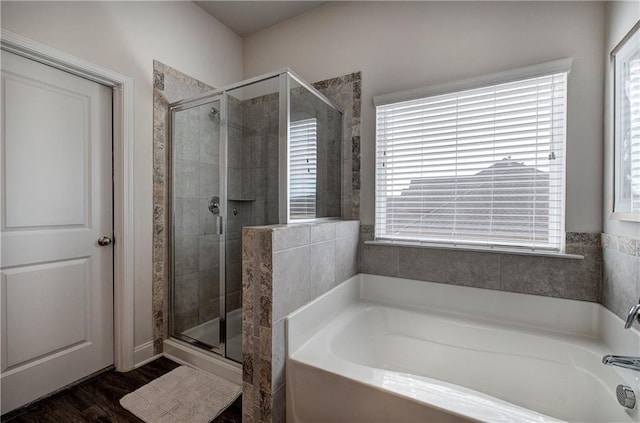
pixel 183 395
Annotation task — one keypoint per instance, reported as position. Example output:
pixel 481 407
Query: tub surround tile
pixel 291 283
pixel 266 311
pixel 593 239
pixel 285 266
pixel 556 277
pixel 366 232
pixel 422 264
pixel 279 410
pixel 265 406
pixel 479 270
pixel 320 233
pixel 279 354
pixel 622 244
pixel 346 256
pixel 285 237
pixel 609 241
pixel 620 281
pixel 322 267
pixel 347 228
pixel 248 397
pixel 552 277
pixel 379 259
pixel 621 274
pixel 628 246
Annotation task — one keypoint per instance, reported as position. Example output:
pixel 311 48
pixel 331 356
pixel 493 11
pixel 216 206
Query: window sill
pixel 496 250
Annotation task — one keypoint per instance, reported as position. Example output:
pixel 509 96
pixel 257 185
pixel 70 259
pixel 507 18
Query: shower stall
pixel 260 152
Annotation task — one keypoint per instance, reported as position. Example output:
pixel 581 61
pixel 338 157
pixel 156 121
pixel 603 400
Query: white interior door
pixel 56 298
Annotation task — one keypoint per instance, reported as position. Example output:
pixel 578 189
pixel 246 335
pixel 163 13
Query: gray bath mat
pixel 183 395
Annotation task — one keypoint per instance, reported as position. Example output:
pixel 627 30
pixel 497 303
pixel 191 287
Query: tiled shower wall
pixel 258 170
pixel 169 85
pixel 284 268
pixel 345 92
pixel 621 278
pixel 577 279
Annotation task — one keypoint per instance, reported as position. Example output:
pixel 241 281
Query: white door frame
pixel 122 182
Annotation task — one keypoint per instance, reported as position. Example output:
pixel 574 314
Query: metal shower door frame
pixel 220 97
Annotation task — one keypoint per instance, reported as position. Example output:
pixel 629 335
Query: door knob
pixel 104 241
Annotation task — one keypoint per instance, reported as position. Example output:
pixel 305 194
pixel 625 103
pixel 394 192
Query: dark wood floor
pixel 98 399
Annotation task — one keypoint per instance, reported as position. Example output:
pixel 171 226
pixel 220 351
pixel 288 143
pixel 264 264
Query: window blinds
pixel 302 169
pixel 480 166
pixel 632 92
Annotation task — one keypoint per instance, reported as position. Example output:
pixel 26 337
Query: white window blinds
pixel 482 166
pixel 631 123
pixel 302 169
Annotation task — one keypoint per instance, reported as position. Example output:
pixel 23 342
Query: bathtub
pixel 380 349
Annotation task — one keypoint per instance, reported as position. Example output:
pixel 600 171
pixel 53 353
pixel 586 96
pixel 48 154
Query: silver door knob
pixel 104 241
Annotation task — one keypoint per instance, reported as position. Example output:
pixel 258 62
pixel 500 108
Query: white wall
pixel 126 37
pixel 621 16
pixel 404 45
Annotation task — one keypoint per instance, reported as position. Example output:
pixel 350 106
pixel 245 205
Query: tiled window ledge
pixel 497 250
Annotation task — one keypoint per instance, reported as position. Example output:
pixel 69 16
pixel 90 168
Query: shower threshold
pixel 209 333
pixel 185 353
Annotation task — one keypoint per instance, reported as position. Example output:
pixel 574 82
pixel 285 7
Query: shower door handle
pixel 219 223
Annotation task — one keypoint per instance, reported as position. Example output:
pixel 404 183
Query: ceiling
pixel 247 17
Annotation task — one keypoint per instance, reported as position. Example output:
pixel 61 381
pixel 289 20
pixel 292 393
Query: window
pixel 302 169
pixel 475 166
pixel 626 56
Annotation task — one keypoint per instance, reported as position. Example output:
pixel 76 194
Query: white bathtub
pixel 379 349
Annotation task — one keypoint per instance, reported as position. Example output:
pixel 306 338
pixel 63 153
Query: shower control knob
pixel 104 241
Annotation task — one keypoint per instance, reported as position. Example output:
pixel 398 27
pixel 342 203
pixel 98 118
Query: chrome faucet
pixel 624 361
pixel 634 314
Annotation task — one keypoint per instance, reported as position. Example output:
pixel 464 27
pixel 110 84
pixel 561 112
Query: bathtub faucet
pixel 624 361
pixel 633 315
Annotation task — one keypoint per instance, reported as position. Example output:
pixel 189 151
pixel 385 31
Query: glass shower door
pixel 197 245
